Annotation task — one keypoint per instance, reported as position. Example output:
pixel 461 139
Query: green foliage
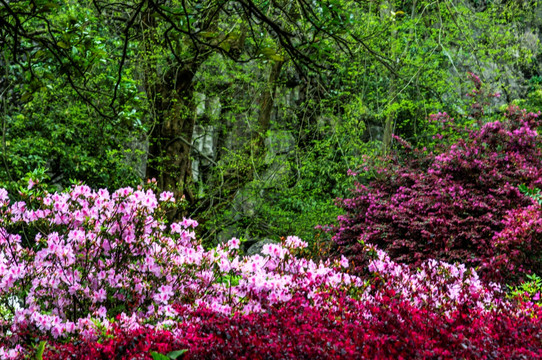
pixel 55 119
pixel 40 349
pixel 529 290
pixel 86 99
pixel 533 100
pixel 170 356
pixel 59 134
pixel 534 193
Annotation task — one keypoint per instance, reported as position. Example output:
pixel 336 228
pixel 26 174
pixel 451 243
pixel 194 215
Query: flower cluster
pixel 435 285
pixel 520 241
pixel 390 329
pixel 94 275
pixel 74 263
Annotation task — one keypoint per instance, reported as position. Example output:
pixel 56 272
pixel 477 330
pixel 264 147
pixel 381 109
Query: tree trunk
pixel 267 101
pixel 169 88
pixel 171 136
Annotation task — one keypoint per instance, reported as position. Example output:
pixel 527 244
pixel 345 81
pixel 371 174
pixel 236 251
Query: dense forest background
pixel 253 110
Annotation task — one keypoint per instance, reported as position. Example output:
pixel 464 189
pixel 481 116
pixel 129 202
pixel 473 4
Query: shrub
pixel 519 244
pixel 351 329
pixel 107 278
pixel 98 259
pixel 449 204
pixel 434 285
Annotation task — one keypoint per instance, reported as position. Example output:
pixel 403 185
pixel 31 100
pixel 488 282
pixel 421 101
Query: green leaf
pixel 51 6
pixel 158 356
pixel 225 45
pixel 271 54
pixel 175 354
pixel 62 44
pixel 26 96
pixel 268 51
pixel 276 57
pixel 40 350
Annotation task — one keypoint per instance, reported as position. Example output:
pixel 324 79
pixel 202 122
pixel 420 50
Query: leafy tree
pixel 54 113
pixel 359 71
pixel 173 39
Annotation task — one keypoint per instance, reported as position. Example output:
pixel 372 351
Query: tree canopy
pixel 115 92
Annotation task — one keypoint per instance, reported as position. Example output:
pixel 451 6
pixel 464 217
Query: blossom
pixel 344 262
pixel 165 292
pixel 234 243
pixel 31 183
pixel 167 196
pixel 295 242
pixel 189 223
pixel 100 295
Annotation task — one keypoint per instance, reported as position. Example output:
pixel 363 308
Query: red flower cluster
pixel 520 241
pixel 391 329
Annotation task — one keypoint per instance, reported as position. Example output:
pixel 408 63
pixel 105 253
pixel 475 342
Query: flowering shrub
pixel 98 258
pixel 94 275
pixel 449 205
pixel 519 244
pixel 435 285
pixel 391 329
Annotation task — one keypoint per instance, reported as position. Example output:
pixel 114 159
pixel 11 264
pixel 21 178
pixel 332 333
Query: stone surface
pixel 245 202
pixel 279 142
pixel 203 148
pixel 277 173
pixel 136 157
pixel 227 234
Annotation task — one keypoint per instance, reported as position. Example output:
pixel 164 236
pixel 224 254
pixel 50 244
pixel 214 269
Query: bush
pixel 74 263
pixel 391 329
pixel 93 275
pixel 449 204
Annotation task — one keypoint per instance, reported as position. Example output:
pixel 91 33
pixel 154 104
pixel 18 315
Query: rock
pixel 199 99
pixel 279 142
pixel 277 173
pixel 203 148
pixel 136 155
pixel 375 132
pixel 245 202
pixel 227 234
pixel 207 106
pixel 213 107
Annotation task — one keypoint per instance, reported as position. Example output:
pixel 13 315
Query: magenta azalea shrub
pixel 519 244
pixel 391 329
pixel 450 204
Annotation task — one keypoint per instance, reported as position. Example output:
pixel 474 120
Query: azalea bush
pixel 519 244
pixel 391 329
pixel 98 258
pixel 434 285
pixel 438 310
pixel 449 204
